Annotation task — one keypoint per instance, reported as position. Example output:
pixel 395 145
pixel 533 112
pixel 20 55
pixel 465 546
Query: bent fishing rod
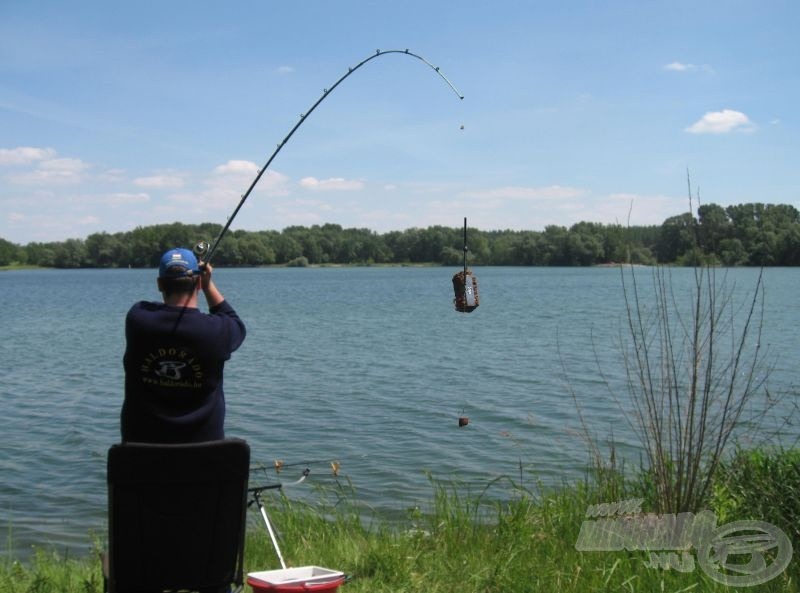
pixel 206 251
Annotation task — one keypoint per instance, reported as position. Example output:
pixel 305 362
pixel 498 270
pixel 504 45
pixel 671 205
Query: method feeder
pixel 206 251
pixel 465 285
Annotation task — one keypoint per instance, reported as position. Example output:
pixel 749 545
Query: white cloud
pixel 305 205
pixel 128 198
pixel 637 209
pixel 24 155
pixel 721 122
pixel 159 181
pixel 226 184
pixel 66 165
pixel 679 67
pixel 53 171
pixel 236 167
pixel 235 183
pixel 331 184
pixel 301 212
pixel 284 70
pixel 232 179
pixel 551 192
pixel 113 175
pixel 534 208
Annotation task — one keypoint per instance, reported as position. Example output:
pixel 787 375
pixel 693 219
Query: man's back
pixel 174 361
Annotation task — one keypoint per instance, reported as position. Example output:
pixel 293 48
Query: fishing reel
pixel 201 249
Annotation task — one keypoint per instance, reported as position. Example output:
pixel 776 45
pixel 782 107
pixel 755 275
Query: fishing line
pixel 206 251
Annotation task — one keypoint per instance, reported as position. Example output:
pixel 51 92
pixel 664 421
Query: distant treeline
pixel 742 235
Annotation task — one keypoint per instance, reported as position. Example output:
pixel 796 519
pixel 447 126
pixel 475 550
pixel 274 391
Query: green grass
pixel 760 484
pixel 474 545
pixel 15 266
pixel 469 543
pixel 50 572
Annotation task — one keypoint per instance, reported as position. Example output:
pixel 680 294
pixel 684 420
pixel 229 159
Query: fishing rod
pixel 206 251
pixel 280 485
pixel 278 465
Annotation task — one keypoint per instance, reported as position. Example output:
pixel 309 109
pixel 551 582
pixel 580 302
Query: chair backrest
pixel 176 515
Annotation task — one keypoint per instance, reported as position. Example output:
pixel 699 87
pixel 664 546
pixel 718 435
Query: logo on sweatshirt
pixel 172 367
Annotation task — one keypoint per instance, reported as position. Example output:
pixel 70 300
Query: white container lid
pixel 298 575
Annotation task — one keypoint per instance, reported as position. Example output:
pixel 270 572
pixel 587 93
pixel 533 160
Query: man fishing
pixel 175 355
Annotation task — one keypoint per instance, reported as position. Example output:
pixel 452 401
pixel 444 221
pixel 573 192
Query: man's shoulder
pixel 145 310
pixel 145 306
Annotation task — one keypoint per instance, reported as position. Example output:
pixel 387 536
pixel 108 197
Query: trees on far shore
pixel 741 235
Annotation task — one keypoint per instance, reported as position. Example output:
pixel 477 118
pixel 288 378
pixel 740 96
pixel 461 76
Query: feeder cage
pixel 465 284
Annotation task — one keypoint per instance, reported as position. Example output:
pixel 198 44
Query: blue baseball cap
pixel 177 263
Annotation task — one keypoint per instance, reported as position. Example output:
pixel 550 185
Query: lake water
pixel 367 366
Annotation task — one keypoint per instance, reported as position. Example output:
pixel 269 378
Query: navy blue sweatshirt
pixel 173 362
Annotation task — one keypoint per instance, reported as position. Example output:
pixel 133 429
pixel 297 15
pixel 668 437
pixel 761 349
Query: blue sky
pixel 118 115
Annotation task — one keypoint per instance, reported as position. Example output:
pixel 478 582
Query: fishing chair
pixel 176 516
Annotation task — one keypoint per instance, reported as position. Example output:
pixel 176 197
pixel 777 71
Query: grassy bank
pixel 467 543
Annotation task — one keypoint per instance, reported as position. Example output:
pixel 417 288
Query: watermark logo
pixel 738 554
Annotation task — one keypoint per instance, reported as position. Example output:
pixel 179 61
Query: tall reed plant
pixel 694 366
